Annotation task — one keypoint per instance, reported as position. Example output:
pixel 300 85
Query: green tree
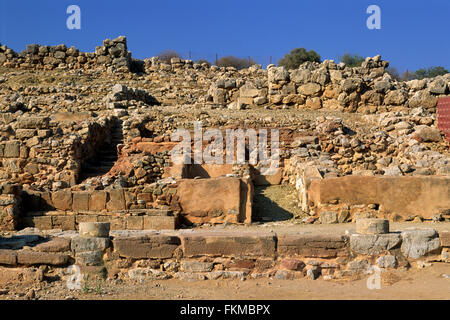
pixel 431 72
pixel 351 60
pixel 437 71
pixel 238 63
pixel 297 57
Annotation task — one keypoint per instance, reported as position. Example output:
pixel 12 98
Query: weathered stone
pixel 159 222
pixel 309 89
pixel 80 201
pixel 25 257
pixel 387 261
pixel 8 257
pixel 292 264
pixel 145 247
pixel 196 266
pixel 428 134
pixel 315 246
pixel 189 276
pixel 372 226
pixel 228 244
pixel 419 242
pixel 97 200
pixel 63 222
pixel 374 244
pixel 116 200
pixel 57 244
pixel 62 200
pixel 147 274
pixel 94 229
pixel 89 258
pixel 80 244
pixel 328 217
pixel 444 236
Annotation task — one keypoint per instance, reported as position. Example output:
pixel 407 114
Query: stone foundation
pixel 201 255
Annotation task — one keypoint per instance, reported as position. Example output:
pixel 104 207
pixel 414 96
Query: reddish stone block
pixel 292 264
pixel 62 200
pixel 228 244
pixel 97 200
pixel 145 247
pixel 80 201
pixel 116 200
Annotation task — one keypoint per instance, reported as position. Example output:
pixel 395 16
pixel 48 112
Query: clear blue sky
pixel 414 33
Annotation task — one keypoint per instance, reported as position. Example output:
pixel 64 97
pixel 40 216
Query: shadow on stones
pixel 21 241
pixel 267 210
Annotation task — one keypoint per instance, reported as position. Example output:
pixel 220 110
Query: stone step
pixel 124 222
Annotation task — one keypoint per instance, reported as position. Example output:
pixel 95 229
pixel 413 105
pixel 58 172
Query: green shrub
pixel 297 57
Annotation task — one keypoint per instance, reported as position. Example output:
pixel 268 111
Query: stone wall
pixel 202 255
pixel 10 206
pixel 366 89
pixel 113 55
pixel 47 154
pixel 395 198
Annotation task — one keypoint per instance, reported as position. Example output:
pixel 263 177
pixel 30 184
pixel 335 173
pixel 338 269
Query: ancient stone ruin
pixel 86 141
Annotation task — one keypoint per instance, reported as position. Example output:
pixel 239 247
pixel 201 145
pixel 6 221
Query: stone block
pixel 328 217
pixel 159 222
pixel 80 201
pixel 64 222
pixel 134 222
pixel 116 200
pixel 116 223
pixel 40 222
pixel 292 264
pixel 419 242
pixel 196 266
pixel 147 274
pixel 228 244
pixel 387 261
pixel 85 218
pixel 374 244
pixel 80 244
pixel 8 257
pixel 444 236
pixel 26 257
pixel 314 246
pixel 89 258
pixel 145 247
pixel 62 200
pixel 97 200
pixel 11 149
pixel 53 245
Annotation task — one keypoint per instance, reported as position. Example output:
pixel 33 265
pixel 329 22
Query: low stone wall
pixel 113 54
pixel 202 255
pixel 186 201
pixel 395 198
